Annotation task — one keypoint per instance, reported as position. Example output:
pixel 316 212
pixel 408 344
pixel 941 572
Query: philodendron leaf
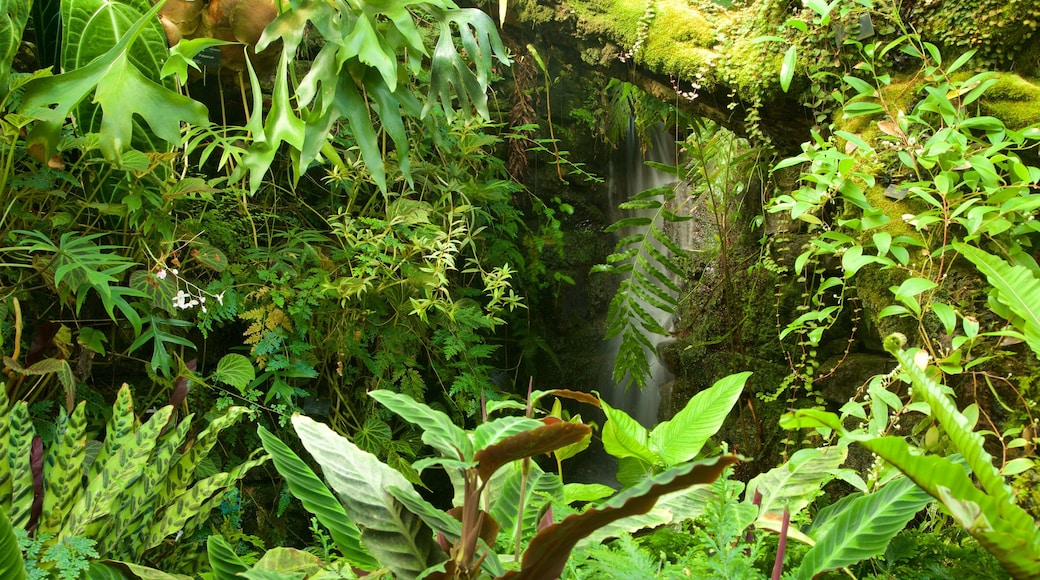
pixel 682 438
pixel 862 527
pixel 438 430
pixel 547 553
pixel 318 500
pixel 13 17
pixel 397 538
pixel 794 484
pixel 114 77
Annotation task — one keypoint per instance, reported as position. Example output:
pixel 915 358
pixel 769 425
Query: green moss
pixel 1014 100
pixel 1003 31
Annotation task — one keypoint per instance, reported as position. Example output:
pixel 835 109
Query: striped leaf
pixel 182 473
pixel 104 493
pixel 18 451
pixel 861 526
pixel 318 500
pixel 140 498
pixel 120 426
pixel 398 539
pixel 64 469
pixel 793 485
pixel 5 465
pixel 188 509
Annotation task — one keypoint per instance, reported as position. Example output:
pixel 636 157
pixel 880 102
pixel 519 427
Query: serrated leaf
pixel 235 370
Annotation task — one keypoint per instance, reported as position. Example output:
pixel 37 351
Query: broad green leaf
pixel 11 563
pixel 114 76
pixel 317 499
pixel 957 426
pixel 235 370
pixel 862 527
pixel 1004 529
pixel 13 17
pixel 223 560
pixel 681 438
pixel 623 436
pixel 438 430
pixel 793 485
pixel 397 538
pixel 1017 288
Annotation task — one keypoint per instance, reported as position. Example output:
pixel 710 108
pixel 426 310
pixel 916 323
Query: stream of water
pixel 628 175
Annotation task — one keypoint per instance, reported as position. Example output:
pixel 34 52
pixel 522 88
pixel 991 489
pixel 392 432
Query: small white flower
pixel 161 274
pixel 174 271
pixel 220 298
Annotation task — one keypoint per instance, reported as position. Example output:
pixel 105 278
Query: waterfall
pixel 628 175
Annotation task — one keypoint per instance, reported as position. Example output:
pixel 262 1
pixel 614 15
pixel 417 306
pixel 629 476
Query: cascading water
pixel 628 175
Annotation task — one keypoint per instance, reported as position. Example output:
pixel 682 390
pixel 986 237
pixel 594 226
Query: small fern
pixel 645 257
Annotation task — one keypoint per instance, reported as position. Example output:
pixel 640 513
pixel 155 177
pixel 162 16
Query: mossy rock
pixel 1014 99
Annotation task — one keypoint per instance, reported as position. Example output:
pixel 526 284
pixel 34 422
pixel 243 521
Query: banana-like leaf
pixel 1004 529
pixel 548 552
pixel 111 76
pixel 11 564
pixel 681 438
pixel 398 539
pixel 1017 288
pixel 793 485
pixel 863 527
pixel 318 500
pixel 624 437
pixel 438 430
pixel 19 450
pixel 13 16
pixel 64 470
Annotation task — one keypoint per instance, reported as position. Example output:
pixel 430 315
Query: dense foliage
pixel 295 248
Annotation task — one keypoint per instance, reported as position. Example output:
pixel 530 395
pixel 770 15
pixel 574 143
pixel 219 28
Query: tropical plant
pixel 987 510
pixel 643 453
pixel 126 494
pixel 397 526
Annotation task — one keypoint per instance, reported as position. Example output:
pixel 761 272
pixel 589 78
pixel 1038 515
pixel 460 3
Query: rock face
pixel 707 56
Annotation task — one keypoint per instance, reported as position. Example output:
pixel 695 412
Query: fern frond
pixel 645 257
